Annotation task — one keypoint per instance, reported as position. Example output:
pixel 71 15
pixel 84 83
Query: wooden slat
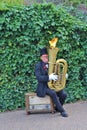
pixel 40 107
pixel 39 100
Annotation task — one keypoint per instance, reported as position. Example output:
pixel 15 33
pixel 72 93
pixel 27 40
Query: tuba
pixel 59 67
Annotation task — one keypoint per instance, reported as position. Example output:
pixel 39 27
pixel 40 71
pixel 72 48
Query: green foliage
pixel 79 12
pixel 22 33
pixel 6 4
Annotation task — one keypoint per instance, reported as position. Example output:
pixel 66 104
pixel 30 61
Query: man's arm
pixel 40 77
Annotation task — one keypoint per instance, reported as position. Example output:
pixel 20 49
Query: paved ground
pixel 18 120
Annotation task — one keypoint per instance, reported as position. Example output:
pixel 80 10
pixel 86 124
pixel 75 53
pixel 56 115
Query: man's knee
pixel 53 93
pixel 62 94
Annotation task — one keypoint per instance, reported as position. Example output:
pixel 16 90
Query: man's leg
pixel 55 99
pixel 62 96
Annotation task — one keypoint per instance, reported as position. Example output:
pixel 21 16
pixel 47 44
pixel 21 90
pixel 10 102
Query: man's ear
pixel 41 57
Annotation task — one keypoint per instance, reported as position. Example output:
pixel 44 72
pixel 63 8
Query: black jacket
pixel 41 73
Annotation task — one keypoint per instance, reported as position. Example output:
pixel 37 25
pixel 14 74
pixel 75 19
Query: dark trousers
pixel 58 98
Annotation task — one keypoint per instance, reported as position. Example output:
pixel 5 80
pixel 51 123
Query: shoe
pixel 64 114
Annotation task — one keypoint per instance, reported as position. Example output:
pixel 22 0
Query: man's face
pixel 44 58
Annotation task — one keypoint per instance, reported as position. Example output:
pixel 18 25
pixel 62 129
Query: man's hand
pixel 53 77
pixel 66 76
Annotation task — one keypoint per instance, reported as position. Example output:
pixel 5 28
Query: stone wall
pixel 28 2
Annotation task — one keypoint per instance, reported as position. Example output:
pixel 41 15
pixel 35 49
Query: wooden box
pixel 38 104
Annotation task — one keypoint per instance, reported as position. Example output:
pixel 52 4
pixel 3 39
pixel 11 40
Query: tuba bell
pixel 59 67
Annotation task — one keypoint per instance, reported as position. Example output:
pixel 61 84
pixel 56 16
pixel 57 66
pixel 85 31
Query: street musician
pixel 43 77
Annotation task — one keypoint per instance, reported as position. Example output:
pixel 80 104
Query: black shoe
pixel 64 114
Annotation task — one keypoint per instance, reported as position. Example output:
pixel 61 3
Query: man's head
pixel 44 55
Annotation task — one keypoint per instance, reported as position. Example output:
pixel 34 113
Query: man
pixel 41 72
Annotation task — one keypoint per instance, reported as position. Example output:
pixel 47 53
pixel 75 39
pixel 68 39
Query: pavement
pixel 19 120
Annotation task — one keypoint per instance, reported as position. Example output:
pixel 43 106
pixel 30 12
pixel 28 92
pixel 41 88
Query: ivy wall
pixel 22 33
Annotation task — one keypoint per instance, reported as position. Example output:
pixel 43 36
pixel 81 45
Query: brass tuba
pixel 59 67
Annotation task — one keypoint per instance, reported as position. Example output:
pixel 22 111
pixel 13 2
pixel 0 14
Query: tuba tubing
pixel 59 67
pixel 60 70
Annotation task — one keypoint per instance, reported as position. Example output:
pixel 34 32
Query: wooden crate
pixel 38 104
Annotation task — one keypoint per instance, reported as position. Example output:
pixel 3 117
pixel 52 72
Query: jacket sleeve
pixel 39 75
